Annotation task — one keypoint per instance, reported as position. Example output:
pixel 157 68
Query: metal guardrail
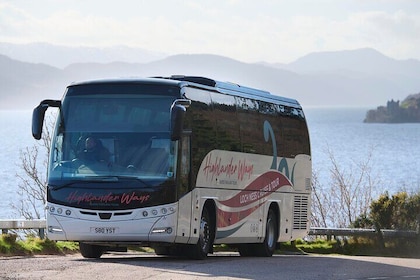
pixel 40 225
pixel 378 235
pixel 387 233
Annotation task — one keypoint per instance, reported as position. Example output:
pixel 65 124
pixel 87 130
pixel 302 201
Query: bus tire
pixel 174 250
pixel 90 251
pixel 200 250
pixel 162 250
pixel 267 248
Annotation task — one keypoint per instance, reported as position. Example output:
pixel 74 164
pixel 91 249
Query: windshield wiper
pixel 54 187
pixel 96 179
pixel 135 178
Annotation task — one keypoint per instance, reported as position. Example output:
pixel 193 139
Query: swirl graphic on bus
pixel 283 167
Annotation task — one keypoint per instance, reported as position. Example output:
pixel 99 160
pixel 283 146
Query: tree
pixel 399 211
pixel 33 180
pixel 348 196
pixel 320 207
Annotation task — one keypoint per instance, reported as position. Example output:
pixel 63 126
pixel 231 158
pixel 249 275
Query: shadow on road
pixel 231 265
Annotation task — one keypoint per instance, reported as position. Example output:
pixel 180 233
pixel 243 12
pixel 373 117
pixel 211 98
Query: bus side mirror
pixel 177 121
pixel 38 116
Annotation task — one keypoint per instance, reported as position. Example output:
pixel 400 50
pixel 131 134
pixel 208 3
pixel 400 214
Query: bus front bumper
pixel 133 228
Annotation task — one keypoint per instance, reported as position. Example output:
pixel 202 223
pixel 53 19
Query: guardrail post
pixel 42 233
pixel 379 237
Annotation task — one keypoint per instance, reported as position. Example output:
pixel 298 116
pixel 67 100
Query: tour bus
pixel 178 164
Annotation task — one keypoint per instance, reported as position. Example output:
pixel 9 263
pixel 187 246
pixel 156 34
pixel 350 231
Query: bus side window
pixel 185 166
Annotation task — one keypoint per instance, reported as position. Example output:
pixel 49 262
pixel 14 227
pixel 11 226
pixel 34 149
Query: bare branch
pixel 33 179
pixel 348 196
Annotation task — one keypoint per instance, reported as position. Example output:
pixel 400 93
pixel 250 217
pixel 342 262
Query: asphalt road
pixel 219 266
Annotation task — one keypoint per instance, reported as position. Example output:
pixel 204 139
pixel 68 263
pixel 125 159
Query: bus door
pixel 184 187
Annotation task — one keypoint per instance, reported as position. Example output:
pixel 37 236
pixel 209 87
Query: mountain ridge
pixel 61 56
pixel 26 84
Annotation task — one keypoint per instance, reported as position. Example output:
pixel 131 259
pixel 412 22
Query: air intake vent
pixel 300 212
pixel 88 213
pixel 122 213
pixel 105 216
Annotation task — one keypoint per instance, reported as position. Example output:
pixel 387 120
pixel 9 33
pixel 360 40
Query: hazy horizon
pixel 373 47
pixel 248 31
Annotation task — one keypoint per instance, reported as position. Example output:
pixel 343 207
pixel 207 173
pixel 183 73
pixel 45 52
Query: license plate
pixel 104 230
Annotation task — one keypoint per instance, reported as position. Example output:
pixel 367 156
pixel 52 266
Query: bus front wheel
pixel 90 251
pixel 200 250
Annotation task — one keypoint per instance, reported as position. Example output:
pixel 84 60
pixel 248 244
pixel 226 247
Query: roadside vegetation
pixel 10 245
pixel 356 246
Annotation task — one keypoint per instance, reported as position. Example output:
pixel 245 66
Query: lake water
pixel 394 149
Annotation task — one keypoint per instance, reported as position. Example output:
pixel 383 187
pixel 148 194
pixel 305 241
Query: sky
pixel 276 31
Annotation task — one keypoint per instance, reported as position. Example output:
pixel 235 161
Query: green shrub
pixel 319 246
pixel 9 245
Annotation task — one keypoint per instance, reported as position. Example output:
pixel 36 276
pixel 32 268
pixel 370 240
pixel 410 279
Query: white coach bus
pixel 176 163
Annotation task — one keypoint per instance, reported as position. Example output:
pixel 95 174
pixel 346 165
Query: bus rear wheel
pixel 267 248
pixel 91 251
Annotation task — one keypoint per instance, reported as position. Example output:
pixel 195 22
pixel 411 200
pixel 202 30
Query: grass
pixel 359 246
pixel 10 245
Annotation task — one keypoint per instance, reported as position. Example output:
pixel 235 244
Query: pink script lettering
pixel 228 169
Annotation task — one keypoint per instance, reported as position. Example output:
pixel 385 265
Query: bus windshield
pixel 113 135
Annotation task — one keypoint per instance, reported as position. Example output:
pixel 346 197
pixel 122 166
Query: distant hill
pixel 395 112
pixel 62 56
pixel 348 78
pixel 22 84
pixel 362 66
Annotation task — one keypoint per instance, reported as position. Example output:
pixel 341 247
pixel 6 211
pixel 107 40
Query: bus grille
pixel 300 212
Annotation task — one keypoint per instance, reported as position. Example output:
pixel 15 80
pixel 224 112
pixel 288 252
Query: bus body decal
pixel 261 187
pixel 268 130
pixel 227 233
pixel 258 190
pixel 228 218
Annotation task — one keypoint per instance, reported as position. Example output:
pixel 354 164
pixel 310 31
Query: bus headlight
pixel 167 230
pixel 58 211
pixel 158 212
pixel 53 229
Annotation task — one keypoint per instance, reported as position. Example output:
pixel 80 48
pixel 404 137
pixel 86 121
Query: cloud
pixel 243 30
pixel 395 34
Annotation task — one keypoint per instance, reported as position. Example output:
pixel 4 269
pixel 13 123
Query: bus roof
pixel 235 89
pixel 201 82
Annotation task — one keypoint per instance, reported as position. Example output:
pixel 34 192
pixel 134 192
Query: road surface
pixel 134 265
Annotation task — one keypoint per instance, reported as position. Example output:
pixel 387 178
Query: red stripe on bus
pixel 261 187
